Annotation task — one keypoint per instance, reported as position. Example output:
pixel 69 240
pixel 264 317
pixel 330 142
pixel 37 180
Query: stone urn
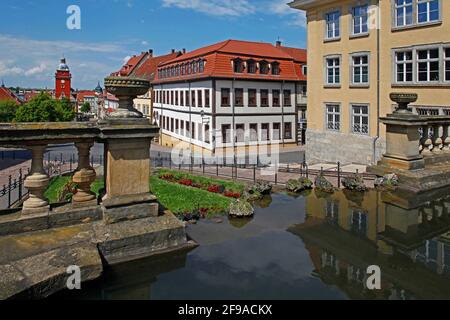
pixel 126 89
pixel 403 100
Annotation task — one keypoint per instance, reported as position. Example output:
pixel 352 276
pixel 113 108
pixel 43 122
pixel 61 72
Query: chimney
pixel 278 44
pixel 150 52
pixel 173 50
pixel 184 50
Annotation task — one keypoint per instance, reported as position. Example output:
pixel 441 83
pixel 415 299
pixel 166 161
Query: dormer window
pixel 201 66
pixel 251 66
pixel 275 68
pixel 195 66
pixel 189 71
pixel 238 66
pixel 263 67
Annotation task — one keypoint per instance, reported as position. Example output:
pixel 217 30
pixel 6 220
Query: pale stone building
pixel 232 94
pixel 358 53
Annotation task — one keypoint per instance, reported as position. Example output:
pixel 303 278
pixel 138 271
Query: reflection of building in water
pixel 345 233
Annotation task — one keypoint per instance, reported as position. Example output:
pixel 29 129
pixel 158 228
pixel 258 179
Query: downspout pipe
pixel 378 85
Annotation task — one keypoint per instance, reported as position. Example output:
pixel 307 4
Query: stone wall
pixel 327 146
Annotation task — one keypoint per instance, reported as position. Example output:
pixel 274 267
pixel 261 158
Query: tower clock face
pixel 63 81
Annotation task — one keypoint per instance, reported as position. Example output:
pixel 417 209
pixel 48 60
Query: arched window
pixel 251 66
pixel 264 67
pixel 275 68
pixel 238 66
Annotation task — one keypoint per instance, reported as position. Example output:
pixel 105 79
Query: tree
pixel 86 107
pixel 65 110
pixel 43 108
pixel 8 110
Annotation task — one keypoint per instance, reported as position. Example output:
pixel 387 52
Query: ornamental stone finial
pixel 403 100
pixel 126 89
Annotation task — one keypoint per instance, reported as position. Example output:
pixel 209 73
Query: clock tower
pixel 63 81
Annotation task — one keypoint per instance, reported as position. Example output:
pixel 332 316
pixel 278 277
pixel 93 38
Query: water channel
pixel 309 246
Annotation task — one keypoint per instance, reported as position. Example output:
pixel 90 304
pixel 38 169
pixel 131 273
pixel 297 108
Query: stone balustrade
pixel 37 136
pixel 434 135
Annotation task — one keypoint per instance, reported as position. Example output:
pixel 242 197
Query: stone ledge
pixel 41 275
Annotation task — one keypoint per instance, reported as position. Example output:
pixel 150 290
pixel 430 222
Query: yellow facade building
pixel 358 53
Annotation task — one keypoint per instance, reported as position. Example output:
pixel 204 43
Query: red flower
pixel 214 189
pixel 230 194
pixel 186 182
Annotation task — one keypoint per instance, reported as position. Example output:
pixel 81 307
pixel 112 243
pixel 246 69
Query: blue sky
pixel 33 33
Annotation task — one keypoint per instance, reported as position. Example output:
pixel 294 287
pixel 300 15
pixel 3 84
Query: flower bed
pixel 227 189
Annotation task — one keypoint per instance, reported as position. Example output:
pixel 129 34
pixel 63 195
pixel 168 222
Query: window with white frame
pixel 333 25
pixel 428 11
pixel 360 19
pixel 360 119
pixel 360 69
pixel 404 66
pixel 428 65
pixel 403 13
pixel 333 70
pixel 333 114
pixel 447 63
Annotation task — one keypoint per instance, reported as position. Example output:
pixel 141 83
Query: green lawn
pixel 177 198
pixel 57 184
pixel 181 199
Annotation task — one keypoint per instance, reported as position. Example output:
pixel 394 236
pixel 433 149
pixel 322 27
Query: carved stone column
pixel 402 136
pixel 36 183
pixel 84 176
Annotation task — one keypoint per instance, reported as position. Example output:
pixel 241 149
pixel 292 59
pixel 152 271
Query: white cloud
pixel 31 62
pixel 237 8
pixel 233 8
pixel 36 70
pixel 144 43
pixel 125 60
pixel 280 7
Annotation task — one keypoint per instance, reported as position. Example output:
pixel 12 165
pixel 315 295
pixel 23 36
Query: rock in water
pixel 262 187
pixel 354 182
pixel 299 185
pixel 322 184
pixel 241 209
pixel 387 181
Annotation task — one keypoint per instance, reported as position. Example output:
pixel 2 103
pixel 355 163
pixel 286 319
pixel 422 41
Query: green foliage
pixel 57 185
pixel 43 108
pixel 86 107
pixel 65 110
pixel 181 199
pixel 8 109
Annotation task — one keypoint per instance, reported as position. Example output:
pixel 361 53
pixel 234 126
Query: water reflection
pixel 309 246
pixel 408 238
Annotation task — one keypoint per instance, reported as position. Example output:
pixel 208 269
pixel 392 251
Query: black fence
pixel 278 174
pixel 57 164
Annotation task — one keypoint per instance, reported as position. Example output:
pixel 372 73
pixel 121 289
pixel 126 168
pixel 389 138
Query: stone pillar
pixel 402 136
pixel 127 136
pixel 84 176
pixel 36 183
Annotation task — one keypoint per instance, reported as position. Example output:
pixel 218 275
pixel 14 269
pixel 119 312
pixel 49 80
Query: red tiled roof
pixel 131 64
pixel 218 61
pixel 85 93
pixel 6 94
pixel 299 55
pixel 147 69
